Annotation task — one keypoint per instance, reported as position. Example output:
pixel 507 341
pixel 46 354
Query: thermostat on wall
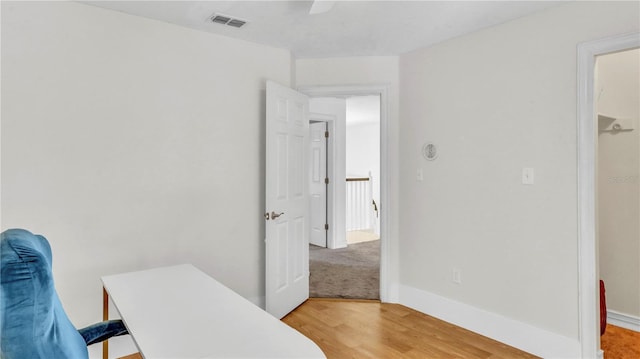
pixel 430 151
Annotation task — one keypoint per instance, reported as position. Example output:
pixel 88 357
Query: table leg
pixel 105 316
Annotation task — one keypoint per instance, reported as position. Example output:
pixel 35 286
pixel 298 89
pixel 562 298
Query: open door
pixel 318 183
pixel 332 111
pixel 287 200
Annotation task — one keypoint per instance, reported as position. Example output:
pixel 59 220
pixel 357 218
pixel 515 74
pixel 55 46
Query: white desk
pixel 180 312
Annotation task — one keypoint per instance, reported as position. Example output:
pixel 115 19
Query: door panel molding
pixel 286 200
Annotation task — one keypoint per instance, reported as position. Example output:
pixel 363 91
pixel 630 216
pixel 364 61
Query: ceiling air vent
pixel 236 23
pixel 227 20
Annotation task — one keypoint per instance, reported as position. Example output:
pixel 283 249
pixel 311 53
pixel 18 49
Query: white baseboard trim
pixel 600 354
pixel 518 334
pixel 623 320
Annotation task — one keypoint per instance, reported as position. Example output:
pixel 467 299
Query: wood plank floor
pixel 620 343
pixel 369 329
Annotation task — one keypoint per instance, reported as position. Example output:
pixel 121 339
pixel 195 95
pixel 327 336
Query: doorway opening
pixel 363 168
pixel 352 264
pixel 617 104
pixel 589 294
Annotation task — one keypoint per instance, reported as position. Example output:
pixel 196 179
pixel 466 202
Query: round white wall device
pixel 430 151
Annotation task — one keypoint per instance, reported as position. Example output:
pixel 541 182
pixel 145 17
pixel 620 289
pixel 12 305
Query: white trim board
pixel 509 331
pixel 623 320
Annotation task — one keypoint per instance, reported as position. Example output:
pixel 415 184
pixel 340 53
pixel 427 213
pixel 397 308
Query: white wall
pixel 363 140
pixel 363 145
pixel 131 143
pixel 496 101
pixel 349 71
pixel 618 92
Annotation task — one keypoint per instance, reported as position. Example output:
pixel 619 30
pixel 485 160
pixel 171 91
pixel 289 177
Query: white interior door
pixel 287 200
pixel 317 185
pixel 333 111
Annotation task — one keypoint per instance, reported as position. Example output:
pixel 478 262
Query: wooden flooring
pixel 620 343
pixel 369 329
pixel 132 356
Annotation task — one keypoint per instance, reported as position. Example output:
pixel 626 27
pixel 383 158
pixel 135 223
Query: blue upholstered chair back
pixel 33 324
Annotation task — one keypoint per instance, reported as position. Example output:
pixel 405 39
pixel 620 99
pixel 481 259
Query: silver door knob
pixel 275 215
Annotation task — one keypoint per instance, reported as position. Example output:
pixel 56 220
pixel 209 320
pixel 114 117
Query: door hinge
pixel 326 226
pixel 326 180
pixel 326 134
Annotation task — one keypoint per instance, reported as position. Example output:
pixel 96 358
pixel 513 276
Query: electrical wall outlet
pixel 527 175
pixel 456 276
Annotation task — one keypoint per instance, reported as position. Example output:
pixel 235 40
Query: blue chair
pixel 33 324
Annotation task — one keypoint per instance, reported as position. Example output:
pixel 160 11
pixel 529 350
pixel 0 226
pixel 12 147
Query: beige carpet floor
pixel 352 272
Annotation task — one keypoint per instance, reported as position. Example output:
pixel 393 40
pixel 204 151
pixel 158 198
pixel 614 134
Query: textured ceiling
pixel 349 28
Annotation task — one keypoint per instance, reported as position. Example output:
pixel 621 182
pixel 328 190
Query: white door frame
pixel 382 91
pixel 588 296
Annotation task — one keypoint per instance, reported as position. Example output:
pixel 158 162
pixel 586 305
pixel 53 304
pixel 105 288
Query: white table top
pixel 180 312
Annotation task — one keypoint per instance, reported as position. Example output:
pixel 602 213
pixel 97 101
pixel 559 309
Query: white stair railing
pixel 359 204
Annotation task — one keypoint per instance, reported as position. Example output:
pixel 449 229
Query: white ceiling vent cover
pixel 227 20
